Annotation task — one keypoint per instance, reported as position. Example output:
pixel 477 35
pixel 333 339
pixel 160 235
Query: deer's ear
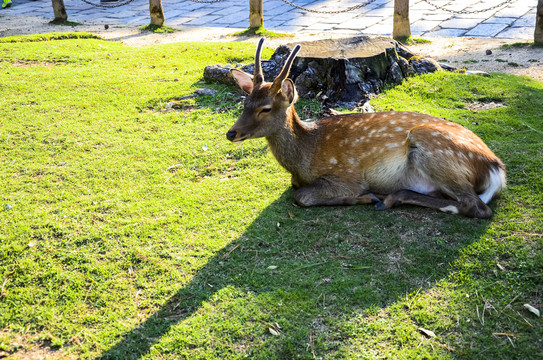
pixel 289 90
pixel 244 80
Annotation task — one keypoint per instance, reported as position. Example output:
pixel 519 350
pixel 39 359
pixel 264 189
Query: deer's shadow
pixel 314 264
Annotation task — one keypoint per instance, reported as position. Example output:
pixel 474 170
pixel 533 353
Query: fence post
pixel 256 18
pixel 401 29
pixel 59 10
pixel 538 34
pixel 157 13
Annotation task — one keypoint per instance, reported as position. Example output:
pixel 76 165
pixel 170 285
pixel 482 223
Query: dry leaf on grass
pixel 532 309
pixel 428 333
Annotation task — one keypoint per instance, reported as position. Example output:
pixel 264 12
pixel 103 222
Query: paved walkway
pixel 514 20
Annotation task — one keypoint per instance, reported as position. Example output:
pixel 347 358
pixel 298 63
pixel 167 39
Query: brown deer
pixel 384 158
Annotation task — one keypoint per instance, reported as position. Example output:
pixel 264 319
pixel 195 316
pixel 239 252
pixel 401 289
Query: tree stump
pixel 342 72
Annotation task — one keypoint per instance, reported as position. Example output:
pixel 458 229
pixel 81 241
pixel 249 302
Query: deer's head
pixel 266 104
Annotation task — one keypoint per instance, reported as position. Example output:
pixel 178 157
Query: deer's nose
pixel 231 135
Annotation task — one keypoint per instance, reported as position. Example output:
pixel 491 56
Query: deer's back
pixel 390 150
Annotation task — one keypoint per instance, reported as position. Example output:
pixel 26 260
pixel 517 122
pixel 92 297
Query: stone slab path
pixel 515 19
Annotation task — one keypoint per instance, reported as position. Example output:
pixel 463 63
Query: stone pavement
pixel 514 20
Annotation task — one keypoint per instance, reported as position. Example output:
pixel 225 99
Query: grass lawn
pixel 131 231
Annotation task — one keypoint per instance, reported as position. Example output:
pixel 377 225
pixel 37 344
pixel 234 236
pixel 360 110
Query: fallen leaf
pixel 532 309
pixel 273 331
pixel 290 215
pixel 272 267
pixel 428 333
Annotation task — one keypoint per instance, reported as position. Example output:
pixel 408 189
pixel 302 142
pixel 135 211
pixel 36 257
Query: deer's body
pixel 387 158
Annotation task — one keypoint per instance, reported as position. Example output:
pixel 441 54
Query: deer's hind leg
pixel 467 204
pixel 333 191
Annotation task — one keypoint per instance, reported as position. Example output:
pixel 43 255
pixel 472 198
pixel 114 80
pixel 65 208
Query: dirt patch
pixel 23 347
pixel 481 106
pixel 25 64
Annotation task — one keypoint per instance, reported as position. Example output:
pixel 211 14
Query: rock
pixel 367 108
pixel 218 73
pixel 448 67
pixel 489 52
pixel 424 66
pixel 477 72
pixel 206 92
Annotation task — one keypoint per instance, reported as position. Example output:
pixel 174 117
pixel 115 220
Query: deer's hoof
pixel 380 206
pixel 374 199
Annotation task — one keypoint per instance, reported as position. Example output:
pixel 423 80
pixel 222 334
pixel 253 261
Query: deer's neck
pixel 293 144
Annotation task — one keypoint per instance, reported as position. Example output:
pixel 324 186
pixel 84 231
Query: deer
pixel 386 158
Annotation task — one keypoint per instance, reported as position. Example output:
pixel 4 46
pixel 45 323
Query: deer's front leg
pixel 332 191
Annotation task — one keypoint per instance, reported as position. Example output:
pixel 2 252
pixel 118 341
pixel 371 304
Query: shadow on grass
pixel 327 265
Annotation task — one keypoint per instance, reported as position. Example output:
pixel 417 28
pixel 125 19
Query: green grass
pixel 261 31
pixel 130 232
pixel 64 22
pixel 518 45
pixel 49 36
pixel 412 41
pixel 157 29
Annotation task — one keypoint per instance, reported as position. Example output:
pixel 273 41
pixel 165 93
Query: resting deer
pixel 384 158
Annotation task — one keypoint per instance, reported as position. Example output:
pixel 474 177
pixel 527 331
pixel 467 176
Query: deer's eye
pixel 265 110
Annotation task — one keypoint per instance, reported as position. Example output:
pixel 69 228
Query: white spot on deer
pixel 480 157
pixel 450 209
pixel 404 117
pixel 391 146
pixel 439 151
pixel 381 150
pixel 351 160
pixel 470 154
pixel 461 155
pixel 399 128
pixel 373 149
pixel 448 137
pixel 333 160
pixel 425 120
pixel 350 171
pixel 327 137
pixel 371 133
pixel 382 129
pixel 392 122
pixel 449 152
pixel 435 133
